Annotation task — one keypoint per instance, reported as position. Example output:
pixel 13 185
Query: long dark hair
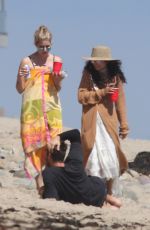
pixel 113 69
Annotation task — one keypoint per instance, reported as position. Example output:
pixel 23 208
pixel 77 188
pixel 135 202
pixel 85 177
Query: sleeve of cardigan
pixel 86 92
pixel 121 109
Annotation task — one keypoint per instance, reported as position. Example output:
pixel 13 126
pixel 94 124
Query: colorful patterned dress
pixel 41 118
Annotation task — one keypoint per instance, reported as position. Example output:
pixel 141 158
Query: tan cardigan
pixel 95 100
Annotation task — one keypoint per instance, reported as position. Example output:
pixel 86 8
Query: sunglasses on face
pixel 44 48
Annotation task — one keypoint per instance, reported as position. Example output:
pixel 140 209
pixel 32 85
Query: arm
pixel 74 156
pixel 121 111
pixel 86 92
pixel 57 79
pixel 71 135
pixel 22 72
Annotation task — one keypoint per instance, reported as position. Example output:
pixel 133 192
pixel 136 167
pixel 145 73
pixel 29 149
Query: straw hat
pixel 102 53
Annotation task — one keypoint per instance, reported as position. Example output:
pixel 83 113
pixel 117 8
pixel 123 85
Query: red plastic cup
pixel 114 96
pixel 57 67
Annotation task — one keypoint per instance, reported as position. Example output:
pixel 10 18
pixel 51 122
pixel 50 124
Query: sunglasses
pixel 44 48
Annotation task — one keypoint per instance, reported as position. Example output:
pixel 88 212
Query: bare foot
pixel 108 205
pixel 113 201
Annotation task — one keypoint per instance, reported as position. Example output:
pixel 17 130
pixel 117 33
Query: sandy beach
pixel 22 208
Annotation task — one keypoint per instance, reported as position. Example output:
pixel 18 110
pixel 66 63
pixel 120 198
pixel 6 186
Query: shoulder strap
pixel 33 64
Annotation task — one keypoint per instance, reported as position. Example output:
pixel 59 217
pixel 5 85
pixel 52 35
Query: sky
pixel 77 26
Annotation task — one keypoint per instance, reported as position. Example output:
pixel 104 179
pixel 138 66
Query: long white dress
pixel 103 161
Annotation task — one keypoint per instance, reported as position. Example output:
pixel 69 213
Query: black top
pixel 71 183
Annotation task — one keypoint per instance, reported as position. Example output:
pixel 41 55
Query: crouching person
pixel 66 179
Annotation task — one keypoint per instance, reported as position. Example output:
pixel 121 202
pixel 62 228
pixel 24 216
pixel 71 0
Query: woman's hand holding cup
pixel 113 92
pixel 57 70
pixel 24 71
pixel 57 66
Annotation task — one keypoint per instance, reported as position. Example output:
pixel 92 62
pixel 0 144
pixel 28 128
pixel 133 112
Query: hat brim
pixel 98 59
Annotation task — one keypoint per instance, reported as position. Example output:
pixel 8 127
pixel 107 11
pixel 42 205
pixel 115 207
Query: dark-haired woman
pixel 101 116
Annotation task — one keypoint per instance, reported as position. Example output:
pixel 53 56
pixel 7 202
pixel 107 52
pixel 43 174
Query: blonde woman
pixel 41 117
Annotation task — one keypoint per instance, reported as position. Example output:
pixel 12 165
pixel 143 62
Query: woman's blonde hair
pixel 42 33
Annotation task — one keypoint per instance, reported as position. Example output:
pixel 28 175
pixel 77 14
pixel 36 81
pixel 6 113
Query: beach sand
pixel 22 208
